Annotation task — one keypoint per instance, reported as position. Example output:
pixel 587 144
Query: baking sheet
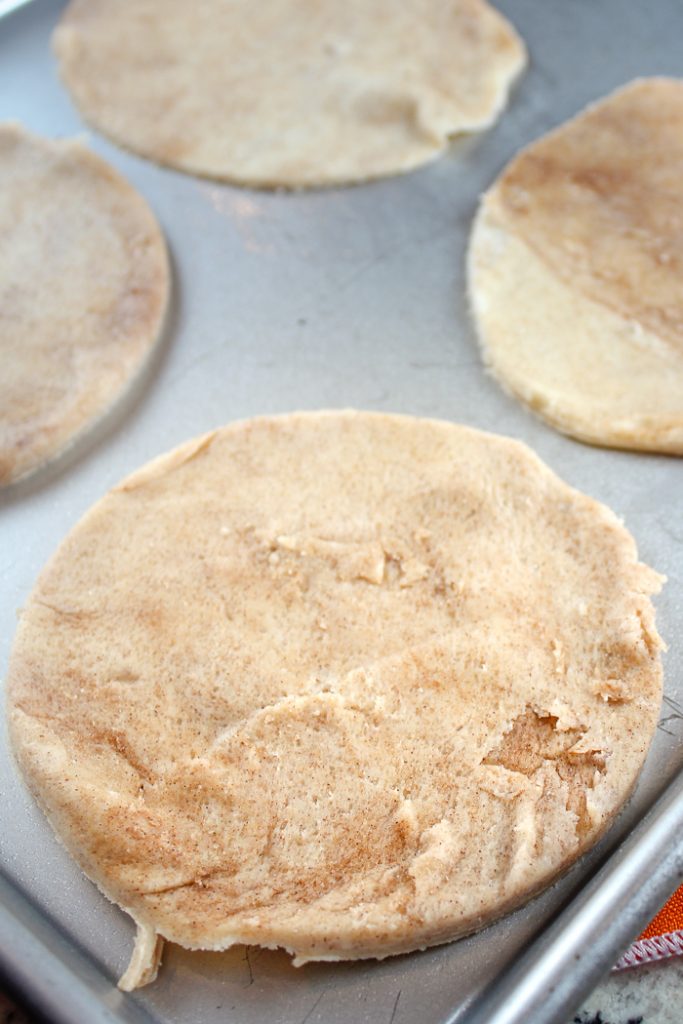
pixel 336 298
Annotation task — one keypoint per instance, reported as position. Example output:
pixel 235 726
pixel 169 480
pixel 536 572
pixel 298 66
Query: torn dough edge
pixel 145 960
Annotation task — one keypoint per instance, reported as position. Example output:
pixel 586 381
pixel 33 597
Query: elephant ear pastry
pixel 288 93
pixel 84 284
pixel 346 683
pixel 575 269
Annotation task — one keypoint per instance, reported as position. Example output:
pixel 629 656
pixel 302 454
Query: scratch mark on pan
pixel 248 962
pixel 194 363
pixel 313 1008
pixel 665 528
pixel 393 1012
pixel 375 261
pixel 675 716
pixel 387 252
pixel 669 718
pixel 465 365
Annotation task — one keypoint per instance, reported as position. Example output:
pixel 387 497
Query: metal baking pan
pixel 344 297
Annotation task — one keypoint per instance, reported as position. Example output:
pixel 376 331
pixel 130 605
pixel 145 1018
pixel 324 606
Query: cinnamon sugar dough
pixel 287 92
pixel 346 683
pixel 84 284
pixel 575 270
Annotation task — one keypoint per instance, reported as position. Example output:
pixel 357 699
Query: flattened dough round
pixel 84 285
pixel 287 92
pixel 347 683
pixel 575 267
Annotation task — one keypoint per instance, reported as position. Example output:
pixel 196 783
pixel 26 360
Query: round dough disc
pixel 84 284
pixel 347 683
pixel 575 269
pixel 287 92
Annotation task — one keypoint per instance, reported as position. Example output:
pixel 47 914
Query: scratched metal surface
pixel 339 298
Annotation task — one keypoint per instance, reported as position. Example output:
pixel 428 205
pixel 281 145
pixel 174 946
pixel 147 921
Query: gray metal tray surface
pixel 336 298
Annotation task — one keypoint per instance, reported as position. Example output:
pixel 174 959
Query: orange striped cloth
pixel 663 936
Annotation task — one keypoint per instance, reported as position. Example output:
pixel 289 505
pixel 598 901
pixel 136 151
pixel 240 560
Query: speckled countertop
pixel 644 995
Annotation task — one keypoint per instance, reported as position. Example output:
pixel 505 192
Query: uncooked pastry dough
pixel 84 284
pixel 575 268
pixel 288 92
pixel 347 683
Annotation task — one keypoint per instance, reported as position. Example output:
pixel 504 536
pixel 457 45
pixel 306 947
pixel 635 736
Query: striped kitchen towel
pixel 663 936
